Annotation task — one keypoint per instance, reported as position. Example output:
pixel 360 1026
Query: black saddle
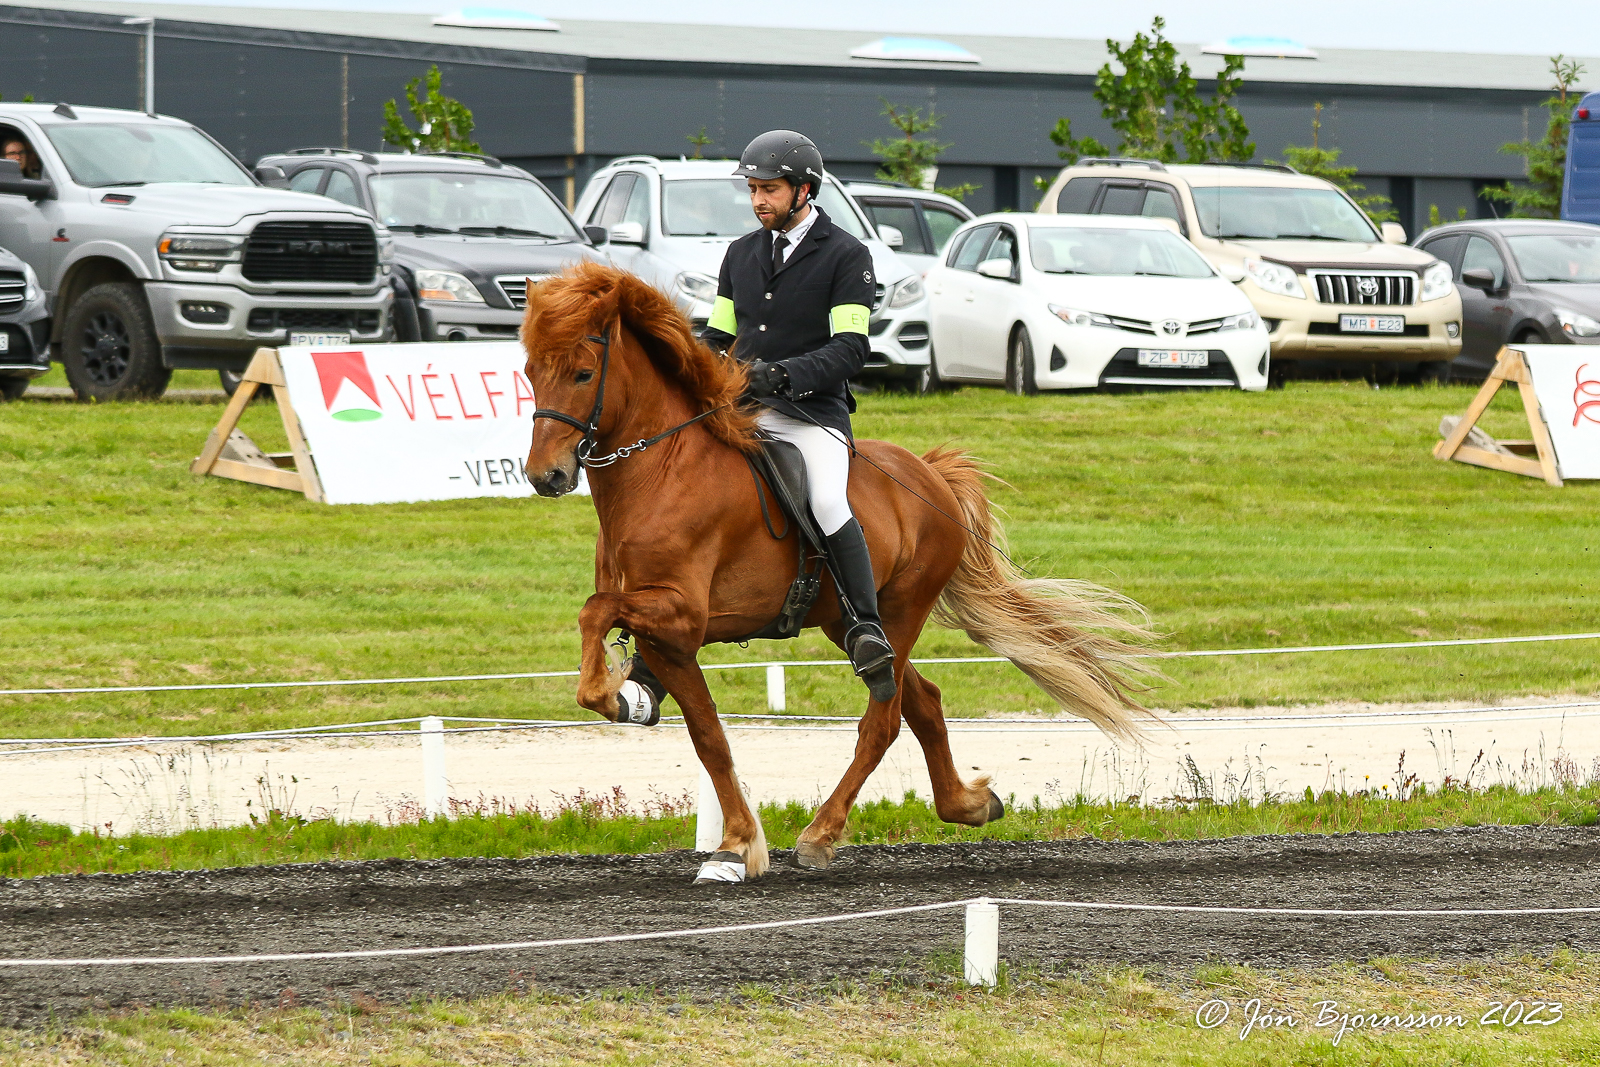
pixel 780 465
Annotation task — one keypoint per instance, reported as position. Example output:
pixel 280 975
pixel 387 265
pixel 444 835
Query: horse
pixel 687 555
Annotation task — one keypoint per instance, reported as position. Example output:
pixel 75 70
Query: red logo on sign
pixel 1585 397
pixel 335 368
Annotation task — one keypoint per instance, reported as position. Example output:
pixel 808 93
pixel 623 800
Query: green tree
pixel 700 141
pixel 444 124
pixel 1156 106
pixel 1323 163
pixel 907 158
pixel 1435 219
pixel 1546 160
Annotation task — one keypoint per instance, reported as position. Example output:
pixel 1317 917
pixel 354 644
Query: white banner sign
pixel 1566 379
pixel 405 422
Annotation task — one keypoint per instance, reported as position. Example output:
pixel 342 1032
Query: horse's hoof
pixel 997 810
pixel 636 705
pixel 721 867
pixel 809 856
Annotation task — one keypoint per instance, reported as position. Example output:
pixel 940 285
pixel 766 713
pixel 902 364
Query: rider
pixel 796 295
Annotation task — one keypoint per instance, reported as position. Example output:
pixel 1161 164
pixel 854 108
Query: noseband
pixel 591 428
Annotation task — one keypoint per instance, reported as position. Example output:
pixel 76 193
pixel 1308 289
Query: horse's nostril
pixel 557 478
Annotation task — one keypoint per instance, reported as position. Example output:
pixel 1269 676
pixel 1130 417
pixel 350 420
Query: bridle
pixel 591 428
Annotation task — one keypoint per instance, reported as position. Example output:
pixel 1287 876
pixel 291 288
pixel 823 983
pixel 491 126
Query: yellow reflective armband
pixel 722 317
pixel 850 318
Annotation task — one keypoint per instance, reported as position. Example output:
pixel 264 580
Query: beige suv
pixel 1327 282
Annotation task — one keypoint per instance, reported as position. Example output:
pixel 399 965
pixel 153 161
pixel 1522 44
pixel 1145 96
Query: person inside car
pixel 21 152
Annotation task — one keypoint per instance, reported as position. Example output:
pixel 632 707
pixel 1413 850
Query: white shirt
pixel 798 232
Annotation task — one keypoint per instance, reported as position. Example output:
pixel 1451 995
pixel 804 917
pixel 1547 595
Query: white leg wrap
pixel 721 867
pixel 637 705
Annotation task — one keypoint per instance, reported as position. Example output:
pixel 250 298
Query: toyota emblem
pixel 1367 286
pixel 1172 327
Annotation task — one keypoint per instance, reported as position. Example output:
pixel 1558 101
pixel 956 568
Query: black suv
pixel 469 231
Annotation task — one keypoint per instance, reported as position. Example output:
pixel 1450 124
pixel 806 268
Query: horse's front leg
pixel 669 634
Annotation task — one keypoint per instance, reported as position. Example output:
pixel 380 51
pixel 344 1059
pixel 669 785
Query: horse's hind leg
pixel 953 799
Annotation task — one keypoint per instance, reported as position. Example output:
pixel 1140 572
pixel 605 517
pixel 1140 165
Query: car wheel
pixel 1529 337
pixel 929 381
pixel 109 347
pixel 1020 370
pixel 13 388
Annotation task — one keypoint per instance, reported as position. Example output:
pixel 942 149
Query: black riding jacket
pixel 810 315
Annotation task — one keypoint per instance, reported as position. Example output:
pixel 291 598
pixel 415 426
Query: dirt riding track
pixel 398 903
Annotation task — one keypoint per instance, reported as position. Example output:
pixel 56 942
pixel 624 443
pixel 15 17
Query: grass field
pixel 1311 515
pixel 1099 1018
pixel 610 824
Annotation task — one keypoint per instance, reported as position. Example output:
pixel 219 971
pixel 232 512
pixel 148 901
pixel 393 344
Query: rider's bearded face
pixel 770 200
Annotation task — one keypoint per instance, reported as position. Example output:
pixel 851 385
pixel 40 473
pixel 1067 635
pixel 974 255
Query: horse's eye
pixel 585 376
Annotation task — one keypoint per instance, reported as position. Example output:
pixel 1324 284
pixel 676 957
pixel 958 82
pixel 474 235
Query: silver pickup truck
pixel 158 250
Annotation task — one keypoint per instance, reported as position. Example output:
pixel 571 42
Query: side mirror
pixel 597 234
pixel 12 183
pixel 273 176
pixel 1394 233
pixel 1232 271
pixel 891 235
pixel 1478 278
pixel 996 268
pixel 627 233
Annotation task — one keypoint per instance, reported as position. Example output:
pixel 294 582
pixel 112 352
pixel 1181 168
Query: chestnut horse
pixel 684 558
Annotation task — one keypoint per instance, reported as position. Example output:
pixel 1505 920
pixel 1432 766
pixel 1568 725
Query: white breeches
pixel 827 459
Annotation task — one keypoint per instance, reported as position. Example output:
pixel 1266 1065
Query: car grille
pixel 1412 330
pixel 270 320
pixel 877 299
pixel 311 252
pixel 13 287
pixel 1136 325
pixel 515 287
pixel 1381 290
pixel 1207 326
pixel 1123 369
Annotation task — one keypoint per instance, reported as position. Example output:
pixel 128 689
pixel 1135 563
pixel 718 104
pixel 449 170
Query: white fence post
pixel 435 783
pixel 980 963
pixel 777 699
pixel 707 816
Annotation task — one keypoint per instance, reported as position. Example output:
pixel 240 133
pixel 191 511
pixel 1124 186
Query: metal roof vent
pixel 496 18
pixel 914 50
pixel 1260 48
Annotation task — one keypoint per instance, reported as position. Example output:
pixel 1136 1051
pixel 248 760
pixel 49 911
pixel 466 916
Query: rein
pixel 591 428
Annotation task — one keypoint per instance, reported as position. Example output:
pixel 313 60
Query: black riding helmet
pixel 787 155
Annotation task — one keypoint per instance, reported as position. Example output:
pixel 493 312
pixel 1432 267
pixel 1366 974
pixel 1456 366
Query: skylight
pixel 1261 48
pixel 914 50
pixel 496 18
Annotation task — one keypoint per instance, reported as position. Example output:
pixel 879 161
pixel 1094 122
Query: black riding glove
pixel 767 379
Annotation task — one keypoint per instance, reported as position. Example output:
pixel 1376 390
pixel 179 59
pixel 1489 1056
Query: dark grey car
pixel 468 231
pixel 24 327
pixel 1529 281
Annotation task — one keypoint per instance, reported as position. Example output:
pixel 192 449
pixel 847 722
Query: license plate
pixel 1372 324
pixel 1173 357
pixel 318 339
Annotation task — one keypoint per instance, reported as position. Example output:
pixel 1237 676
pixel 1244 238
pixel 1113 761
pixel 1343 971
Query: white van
pixel 670 222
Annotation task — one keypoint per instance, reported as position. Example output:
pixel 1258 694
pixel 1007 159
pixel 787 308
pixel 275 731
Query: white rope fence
pixel 980 959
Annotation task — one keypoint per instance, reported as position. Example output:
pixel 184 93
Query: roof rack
pixel 1285 168
pixel 632 159
pixel 365 157
pixel 1120 161
pixel 479 156
pixel 879 181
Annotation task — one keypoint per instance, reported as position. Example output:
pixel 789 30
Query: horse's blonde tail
pixel 1057 631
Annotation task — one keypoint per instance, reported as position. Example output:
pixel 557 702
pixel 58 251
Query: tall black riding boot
pixel 868 647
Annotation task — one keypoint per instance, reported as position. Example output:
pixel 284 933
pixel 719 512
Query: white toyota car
pixel 1084 301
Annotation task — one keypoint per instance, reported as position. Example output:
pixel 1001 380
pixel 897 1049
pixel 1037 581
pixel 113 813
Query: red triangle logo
pixel 334 368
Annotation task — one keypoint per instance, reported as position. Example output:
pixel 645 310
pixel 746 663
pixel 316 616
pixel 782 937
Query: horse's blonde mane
pixel 590 298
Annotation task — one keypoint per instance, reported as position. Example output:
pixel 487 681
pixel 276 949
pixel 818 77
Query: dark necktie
pixel 779 243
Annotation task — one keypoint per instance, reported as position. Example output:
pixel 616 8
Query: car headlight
pixel 907 291
pixel 701 288
pixel 200 251
pixel 1577 325
pixel 1437 281
pixel 446 285
pixel 1248 321
pixel 385 251
pixel 1274 278
pixel 30 289
pixel 1073 317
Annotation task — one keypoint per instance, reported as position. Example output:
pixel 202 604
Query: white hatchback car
pixel 1083 301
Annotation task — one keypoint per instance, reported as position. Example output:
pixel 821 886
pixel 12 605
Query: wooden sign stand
pixel 229 452
pixel 1535 458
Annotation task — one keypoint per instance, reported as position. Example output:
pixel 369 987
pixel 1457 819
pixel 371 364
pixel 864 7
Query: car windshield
pixel 1086 250
pixel 1268 213
pixel 101 155
pixel 495 204
pixel 1558 257
pixel 720 207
